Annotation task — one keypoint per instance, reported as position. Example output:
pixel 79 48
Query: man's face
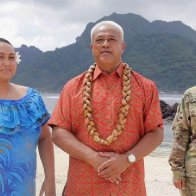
pixel 107 46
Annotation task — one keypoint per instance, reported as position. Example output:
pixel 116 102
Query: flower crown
pixel 18 60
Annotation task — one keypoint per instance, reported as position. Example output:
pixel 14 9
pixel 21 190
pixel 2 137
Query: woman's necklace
pixel 88 110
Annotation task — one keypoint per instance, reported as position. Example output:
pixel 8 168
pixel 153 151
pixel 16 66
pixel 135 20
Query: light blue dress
pixel 20 128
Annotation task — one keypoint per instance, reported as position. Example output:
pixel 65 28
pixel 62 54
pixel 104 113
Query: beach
pixel 158 174
pixel 159 177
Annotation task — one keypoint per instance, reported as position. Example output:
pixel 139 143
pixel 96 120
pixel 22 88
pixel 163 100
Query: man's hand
pixel 179 184
pixel 98 160
pixel 114 166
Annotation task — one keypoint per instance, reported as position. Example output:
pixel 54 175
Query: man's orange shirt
pixel 144 115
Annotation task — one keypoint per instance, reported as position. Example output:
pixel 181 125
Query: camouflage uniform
pixel 183 155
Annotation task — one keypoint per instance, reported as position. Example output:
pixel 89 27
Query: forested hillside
pixel 162 51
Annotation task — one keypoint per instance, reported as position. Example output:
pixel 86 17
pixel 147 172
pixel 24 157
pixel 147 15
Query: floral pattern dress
pixel 20 128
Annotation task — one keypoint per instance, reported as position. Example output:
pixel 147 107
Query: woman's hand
pixel 48 188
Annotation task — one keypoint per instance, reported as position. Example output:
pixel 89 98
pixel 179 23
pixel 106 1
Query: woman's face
pixel 8 64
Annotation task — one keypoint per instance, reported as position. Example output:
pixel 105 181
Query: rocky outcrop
pixel 168 111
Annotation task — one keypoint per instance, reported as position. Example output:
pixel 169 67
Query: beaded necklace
pixel 88 111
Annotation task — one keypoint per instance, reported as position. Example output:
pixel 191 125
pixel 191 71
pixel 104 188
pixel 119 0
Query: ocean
pixel 165 148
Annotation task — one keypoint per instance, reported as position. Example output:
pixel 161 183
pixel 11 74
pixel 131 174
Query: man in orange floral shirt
pixel 107 119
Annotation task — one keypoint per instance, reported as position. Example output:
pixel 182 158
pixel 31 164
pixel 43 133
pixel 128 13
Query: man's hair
pixel 5 41
pixel 107 22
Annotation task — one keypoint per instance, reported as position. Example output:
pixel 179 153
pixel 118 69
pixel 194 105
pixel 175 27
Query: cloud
pixel 48 24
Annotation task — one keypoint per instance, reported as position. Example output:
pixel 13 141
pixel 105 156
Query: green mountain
pixel 162 51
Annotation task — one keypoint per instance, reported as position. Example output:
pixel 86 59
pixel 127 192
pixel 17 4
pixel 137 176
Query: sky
pixel 51 24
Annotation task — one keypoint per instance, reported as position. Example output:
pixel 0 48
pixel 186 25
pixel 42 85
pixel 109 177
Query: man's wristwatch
pixel 131 158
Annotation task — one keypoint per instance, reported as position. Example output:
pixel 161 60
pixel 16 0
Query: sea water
pixel 164 149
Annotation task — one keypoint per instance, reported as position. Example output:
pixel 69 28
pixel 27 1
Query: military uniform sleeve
pixel 181 128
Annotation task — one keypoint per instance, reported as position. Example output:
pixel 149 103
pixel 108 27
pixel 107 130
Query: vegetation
pixel 162 51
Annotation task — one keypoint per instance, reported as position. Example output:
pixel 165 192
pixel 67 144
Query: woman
pixel 183 155
pixel 23 118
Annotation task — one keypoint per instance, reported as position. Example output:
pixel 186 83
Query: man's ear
pixel 123 46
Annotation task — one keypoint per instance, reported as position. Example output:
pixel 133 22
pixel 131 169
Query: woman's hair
pixel 5 41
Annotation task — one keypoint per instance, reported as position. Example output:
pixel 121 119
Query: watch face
pixel 132 158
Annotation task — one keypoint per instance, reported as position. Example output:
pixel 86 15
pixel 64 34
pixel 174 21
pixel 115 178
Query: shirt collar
pixel 98 71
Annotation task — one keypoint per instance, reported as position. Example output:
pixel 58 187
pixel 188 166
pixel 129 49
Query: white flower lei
pixel 18 60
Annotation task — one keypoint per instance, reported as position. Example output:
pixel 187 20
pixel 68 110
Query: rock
pixel 168 112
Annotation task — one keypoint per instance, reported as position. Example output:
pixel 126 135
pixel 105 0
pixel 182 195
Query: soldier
pixel 183 156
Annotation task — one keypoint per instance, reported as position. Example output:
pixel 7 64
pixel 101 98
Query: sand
pixel 158 174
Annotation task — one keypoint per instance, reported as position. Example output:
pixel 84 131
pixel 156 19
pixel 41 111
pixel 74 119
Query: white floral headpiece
pixel 18 60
